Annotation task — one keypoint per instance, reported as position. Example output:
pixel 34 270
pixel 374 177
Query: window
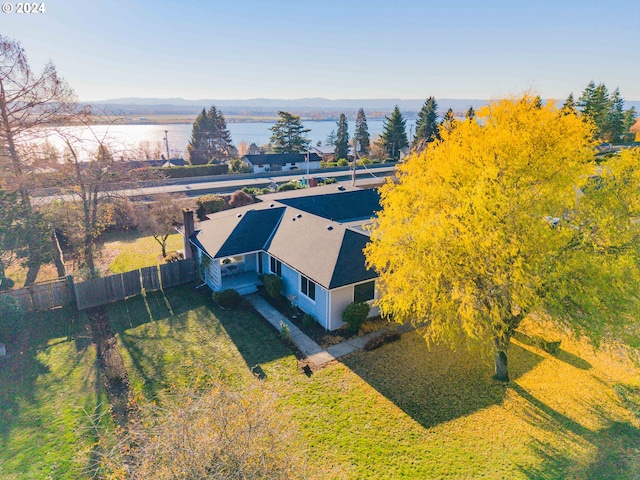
pixel 276 267
pixel 307 287
pixel 364 292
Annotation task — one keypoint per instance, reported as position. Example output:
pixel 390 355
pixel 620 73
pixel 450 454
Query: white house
pixel 312 238
pixel 272 162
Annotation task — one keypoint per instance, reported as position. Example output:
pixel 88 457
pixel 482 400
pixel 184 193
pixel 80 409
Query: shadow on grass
pixel 561 354
pixel 183 308
pixel 435 385
pixel 617 445
pixel 257 341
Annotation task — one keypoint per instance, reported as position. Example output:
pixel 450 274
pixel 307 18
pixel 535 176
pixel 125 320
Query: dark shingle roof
pixel 324 250
pixel 351 262
pixel 280 158
pixel 239 230
pixel 345 207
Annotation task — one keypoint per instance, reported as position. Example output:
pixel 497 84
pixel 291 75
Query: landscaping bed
pixel 313 329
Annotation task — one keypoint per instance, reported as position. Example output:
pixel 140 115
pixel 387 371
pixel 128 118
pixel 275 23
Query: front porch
pixel 244 282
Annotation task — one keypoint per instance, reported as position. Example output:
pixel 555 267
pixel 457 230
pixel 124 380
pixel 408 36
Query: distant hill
pixel 268 106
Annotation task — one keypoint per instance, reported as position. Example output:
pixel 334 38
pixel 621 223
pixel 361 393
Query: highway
pixel 195 187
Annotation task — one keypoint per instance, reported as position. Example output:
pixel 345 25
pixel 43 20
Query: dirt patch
pixel 114 374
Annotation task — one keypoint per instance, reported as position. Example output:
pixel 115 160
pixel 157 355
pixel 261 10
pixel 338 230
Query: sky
pixel 240 49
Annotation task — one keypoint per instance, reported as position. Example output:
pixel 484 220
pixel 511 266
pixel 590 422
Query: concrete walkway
pixel 310 349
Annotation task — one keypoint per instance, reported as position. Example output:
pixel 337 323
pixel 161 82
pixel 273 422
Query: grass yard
pixel 404 410
pixel 131 251
pixel 401 411
pixel 119 252
pixel 49 391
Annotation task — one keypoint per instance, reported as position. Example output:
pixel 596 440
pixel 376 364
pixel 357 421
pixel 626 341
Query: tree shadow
pixel 560 354
pixel 617 445
pixel 256 340
pixel 436 384
pixel 572 360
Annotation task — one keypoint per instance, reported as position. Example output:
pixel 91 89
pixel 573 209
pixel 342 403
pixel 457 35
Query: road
pixel 191 188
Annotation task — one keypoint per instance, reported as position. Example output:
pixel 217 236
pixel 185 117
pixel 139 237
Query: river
pixel 127 138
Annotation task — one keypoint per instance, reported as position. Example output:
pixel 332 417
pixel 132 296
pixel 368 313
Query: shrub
pixel 285 333
pixel 378 341
pixel 227 298
pixel 550 347
pixel 273 285
pixel 6 283
pixel 327 164
pixel 173 257
pixel 285 187
pixel 11 314
pixel 343 162
pixel 209 204
pixel 308 320
pixel 365 161
pixel 239 166
pixel 240 199
pixel 355 314
pixel 327 181
pixel 193 171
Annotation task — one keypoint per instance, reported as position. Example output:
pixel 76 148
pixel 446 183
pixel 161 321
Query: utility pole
pixel 166 142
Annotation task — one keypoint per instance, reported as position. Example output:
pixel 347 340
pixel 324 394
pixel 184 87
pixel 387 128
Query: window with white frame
pixel 364 292
pixel 307 287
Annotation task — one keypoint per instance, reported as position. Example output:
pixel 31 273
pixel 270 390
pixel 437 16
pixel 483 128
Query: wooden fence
pixel 100 291
pixel 104 290
pixel 45 295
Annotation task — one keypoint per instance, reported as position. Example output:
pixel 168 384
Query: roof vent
pixel 294 219
pixel 341 188
pixel 299 215
pixel 329 227
pixel 239 215
pixel 272 205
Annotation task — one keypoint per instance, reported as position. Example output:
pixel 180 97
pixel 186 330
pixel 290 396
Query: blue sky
pixel 237 49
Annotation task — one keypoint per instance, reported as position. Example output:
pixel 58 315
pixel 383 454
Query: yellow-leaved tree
pixel 508 215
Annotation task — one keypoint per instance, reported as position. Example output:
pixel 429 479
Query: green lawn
pixel 49 392
pixel 401 411
pixel 131 251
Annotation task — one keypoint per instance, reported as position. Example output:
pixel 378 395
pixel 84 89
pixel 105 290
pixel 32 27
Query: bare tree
pixel 160 219
pixel 217 432
pixel 29 103
pixel 94 178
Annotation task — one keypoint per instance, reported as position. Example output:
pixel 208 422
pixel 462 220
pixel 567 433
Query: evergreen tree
pixel 569 106
pixel 595 104
pixel 210 138
pixel 628 122
pixel 331 138
pixel 361 135
pixel 342 138
pixel 426 124
pixel 449 121
pixel 289 135
pixel 615 118
pixel 471 114
pixel 394 134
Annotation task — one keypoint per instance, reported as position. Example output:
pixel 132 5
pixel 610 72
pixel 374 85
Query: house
pixel 272 162
pixel 327 152
pixel 311 238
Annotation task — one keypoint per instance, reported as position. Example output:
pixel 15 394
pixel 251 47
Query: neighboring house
pixel 162 162
pixel 272 162
pixel 327 152
pixel 312 238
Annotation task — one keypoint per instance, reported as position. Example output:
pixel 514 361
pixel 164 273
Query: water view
pixel 129 137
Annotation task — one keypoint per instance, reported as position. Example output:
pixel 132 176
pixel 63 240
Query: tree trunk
pixel 88 255
pixel 501 344
pixel 33 267
pixel 502 370
pixel 58 259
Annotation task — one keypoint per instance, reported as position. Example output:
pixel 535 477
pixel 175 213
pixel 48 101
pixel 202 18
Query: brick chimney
pixel 189 230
